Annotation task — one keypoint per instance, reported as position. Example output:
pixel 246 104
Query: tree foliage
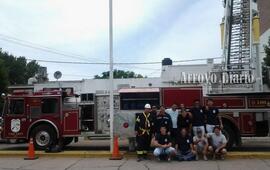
pixel 266 64
pixel 266 60
pixel 119 74
pixel 3 77
pixel 15 70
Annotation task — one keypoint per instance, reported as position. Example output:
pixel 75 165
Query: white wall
pixel 174 73
pixel 77 85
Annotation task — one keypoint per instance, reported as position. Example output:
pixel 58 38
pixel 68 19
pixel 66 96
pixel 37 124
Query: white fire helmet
pixel 147 106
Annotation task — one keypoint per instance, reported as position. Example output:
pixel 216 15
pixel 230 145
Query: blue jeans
pixel 185 156
pixel 164 151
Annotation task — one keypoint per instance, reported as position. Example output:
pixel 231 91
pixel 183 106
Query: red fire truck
pixel 47 116
pixel 44 116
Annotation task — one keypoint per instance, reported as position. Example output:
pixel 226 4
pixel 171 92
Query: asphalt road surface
pixel 128 164
pixel 249 144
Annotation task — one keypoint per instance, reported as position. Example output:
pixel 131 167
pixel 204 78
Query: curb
pixel 107 154
pixel 248 155
pixel 64 154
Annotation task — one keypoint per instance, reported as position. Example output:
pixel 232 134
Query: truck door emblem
pixel 15 125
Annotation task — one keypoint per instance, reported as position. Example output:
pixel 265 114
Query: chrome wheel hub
pixel 43 138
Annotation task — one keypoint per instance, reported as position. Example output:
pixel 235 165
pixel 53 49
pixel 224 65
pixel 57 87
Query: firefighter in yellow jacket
pixel 144 127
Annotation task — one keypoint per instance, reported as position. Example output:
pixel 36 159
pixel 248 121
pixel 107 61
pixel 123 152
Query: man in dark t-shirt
pixel 163 144
pixel 163 119
pixel 212 116
pixel 184 146
pixel 198 118
pixel 184 119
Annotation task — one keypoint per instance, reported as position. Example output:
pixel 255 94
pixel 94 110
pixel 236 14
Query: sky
pixel 78 31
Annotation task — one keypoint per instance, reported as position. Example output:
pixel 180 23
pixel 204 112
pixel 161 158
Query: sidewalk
pixel 107 154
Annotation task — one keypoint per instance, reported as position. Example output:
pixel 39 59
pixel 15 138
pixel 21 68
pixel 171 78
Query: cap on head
pixel 147 106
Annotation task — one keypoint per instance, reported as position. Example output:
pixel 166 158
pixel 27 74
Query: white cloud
pixel 141 30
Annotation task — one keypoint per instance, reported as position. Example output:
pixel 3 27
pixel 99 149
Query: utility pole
pixel 111 72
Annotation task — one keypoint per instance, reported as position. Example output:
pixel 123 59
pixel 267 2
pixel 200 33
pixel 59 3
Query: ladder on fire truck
pixel 238 56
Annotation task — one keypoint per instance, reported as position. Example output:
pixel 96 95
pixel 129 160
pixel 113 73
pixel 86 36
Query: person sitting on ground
pixel 200 144
pixel 218 143
pixel 184 146
pixel 162 142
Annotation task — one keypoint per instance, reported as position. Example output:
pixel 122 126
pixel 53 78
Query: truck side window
pixel 49 106
pixel 16 106
pixel 136 101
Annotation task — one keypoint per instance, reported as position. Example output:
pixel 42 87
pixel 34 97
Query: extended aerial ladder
pixel 238 52
pixel 240 39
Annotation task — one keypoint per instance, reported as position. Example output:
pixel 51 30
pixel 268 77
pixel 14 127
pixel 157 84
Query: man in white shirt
pixel 218 143
pixel 173 112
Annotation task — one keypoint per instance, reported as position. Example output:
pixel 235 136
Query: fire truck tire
pixel 230 135
pixel 67 140
pixel 44 136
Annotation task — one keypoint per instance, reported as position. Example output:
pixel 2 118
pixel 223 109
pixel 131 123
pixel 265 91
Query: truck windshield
pixel 16 106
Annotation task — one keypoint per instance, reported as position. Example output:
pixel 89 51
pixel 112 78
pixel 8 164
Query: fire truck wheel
pixel 44 136
pixel 230 135
pixel 67 140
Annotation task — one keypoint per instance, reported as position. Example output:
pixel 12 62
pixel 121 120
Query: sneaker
pixel 205 158
pixel 197 157
pixel 139 159
pixel 169 159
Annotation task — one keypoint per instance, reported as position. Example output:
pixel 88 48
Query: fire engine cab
pixel 43 116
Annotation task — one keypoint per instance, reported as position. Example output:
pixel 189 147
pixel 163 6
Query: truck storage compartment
pixel 87 112
pixel 87 118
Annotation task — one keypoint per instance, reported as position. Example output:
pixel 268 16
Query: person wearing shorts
pixel 212 116
pixel 218 143
pixel 198 117
pixel 200 143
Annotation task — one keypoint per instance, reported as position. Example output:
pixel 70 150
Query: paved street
pixel 129 164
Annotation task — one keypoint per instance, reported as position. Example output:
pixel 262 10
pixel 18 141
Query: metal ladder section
pixel 239 55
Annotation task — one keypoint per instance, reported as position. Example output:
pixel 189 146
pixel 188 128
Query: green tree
pixel 266 59
pixel 3 82
pixel 266 64
pixel 17 68
pixel 119 74
pixel 31 69
pixel 3 77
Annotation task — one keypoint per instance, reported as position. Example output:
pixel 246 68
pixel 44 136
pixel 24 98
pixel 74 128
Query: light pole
pixel 111 72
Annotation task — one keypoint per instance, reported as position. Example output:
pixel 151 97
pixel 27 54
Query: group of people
pixel 183 134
